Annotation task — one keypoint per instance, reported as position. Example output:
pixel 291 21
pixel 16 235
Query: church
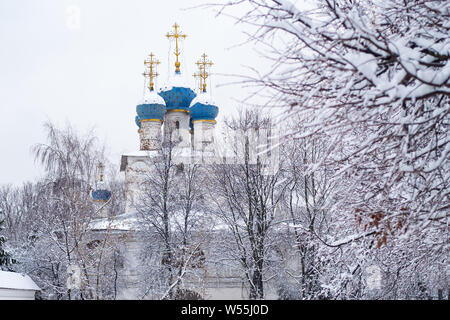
pixel 182 114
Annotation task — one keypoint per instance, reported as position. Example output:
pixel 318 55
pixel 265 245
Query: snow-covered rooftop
pixel 141 153
pixel 130 221
pixel 204 98
pixel 125 221
pixel 151 97
pixel 175 80
pixel 17 281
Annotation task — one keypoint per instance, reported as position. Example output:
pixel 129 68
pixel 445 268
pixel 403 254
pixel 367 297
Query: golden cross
pixel 176 36
pixel 202 64
pixel 100 169
pixel 151 72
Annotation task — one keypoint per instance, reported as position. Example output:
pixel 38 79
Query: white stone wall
pixel 219 284
pixel 135 173
pixel 129 277
pixel 102 209
pixel 181 136
pixel 150 135
pixel 204 135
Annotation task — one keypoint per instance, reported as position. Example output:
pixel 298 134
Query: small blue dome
pixel 177 94
pixel 101 195
pixel 203 108
pixel 137 121
pixel 150 111
pixel 152 107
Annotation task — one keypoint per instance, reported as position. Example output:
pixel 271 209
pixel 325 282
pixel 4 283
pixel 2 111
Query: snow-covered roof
pixel 180 154
pixel 17 281
pixel 204 98
pixel 139 153
pixel 151 97
pixel 175 80
pixel 130 221
pixel 125 221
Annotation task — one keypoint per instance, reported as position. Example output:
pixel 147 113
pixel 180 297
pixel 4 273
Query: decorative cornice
pixel 178 110
pixel 205 120
pixel 146 120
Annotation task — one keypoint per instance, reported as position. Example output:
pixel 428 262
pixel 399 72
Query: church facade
pixel 177 113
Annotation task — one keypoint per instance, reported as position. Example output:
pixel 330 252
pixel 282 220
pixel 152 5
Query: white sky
pixel 91 76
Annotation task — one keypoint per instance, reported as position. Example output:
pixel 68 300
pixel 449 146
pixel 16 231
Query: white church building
pixel 188 117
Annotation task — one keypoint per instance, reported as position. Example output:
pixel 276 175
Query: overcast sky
pixel 89 73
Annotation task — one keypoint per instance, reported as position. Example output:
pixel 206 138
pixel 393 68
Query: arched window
pixel 177 125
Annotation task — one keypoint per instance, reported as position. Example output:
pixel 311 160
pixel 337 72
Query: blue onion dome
pixel 101 195
pixel 137 122
pixel 203 108
pixel 151 107
pixel 177 94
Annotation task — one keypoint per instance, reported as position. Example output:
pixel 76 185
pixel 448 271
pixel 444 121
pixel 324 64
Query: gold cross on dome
pixel 100 170
pixel 151 71
pixel 203 64
pixel 176 36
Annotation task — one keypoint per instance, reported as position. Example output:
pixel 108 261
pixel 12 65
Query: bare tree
pixel 373 77
pixel 49 220
pixel 245 198
pixel 169 207
pixel 308 204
